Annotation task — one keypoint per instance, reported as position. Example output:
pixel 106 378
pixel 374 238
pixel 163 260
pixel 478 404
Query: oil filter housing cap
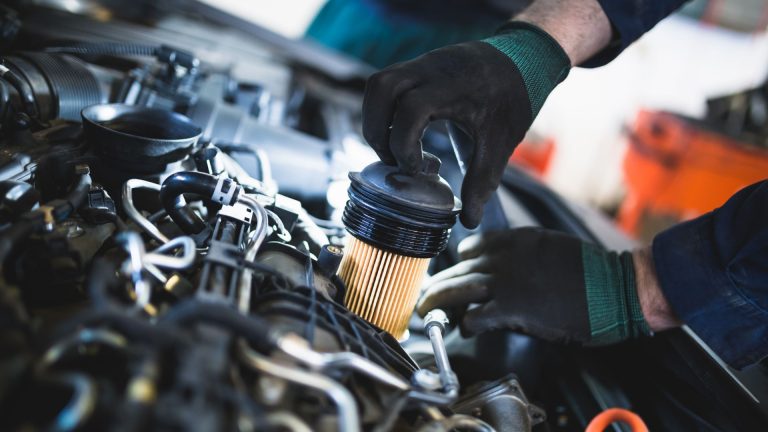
pixel 397 223
pixel 407 214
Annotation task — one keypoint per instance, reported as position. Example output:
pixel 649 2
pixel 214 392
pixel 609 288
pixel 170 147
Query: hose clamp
pixel 227 197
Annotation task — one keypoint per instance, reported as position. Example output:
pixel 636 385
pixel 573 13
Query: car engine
pixel 173 282
pixel 183 247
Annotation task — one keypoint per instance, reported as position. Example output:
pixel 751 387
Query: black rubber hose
pixel 117 49
pixel 193 183
pixel 254 329
pixel 23 88
pixel 101 278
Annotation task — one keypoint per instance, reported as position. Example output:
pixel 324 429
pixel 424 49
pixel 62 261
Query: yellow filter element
pixel 382 287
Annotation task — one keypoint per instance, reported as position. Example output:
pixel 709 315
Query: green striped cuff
pixel 541 61
pixel 614 308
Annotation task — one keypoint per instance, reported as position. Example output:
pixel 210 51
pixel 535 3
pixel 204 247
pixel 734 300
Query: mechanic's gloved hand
pixel 492 89
pixel 543 283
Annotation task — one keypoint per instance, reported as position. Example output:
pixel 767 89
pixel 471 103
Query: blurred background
pixel 667 131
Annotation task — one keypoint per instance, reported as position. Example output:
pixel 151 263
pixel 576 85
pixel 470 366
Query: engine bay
pixel 171 238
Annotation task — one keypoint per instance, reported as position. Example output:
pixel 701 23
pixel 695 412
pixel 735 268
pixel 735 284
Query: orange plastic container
pixel 676 170
pixel 536 155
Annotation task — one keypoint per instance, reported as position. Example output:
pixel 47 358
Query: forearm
pixel 656 309
pixel 579 26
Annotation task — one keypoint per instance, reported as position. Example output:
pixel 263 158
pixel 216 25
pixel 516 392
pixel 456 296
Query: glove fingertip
pixel 471 216
pixel 410 164
pixel 385 155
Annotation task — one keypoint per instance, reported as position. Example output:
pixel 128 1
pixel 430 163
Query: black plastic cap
pixel 410 215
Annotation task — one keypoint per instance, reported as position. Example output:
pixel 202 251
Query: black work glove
pixel 492 89
pixel 543 283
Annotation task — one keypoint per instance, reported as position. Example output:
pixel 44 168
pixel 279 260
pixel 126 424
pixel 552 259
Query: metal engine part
pixel 151 279
pixel 502 404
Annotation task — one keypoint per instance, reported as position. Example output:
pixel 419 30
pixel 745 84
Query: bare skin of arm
pixel 579 26
pixel 656 309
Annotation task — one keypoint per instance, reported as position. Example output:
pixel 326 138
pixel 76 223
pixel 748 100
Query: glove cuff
pixel 614 308
pixel 541 60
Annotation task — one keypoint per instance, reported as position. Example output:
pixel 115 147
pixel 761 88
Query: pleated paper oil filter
pixel 397 222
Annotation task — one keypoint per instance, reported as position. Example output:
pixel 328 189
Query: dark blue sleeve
pixel 630 19
pixel 713 270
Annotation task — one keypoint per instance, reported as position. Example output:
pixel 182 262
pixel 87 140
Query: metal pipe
pixel 298 349
pixel 84 336
pixel 264 186
pixel 259 234
pixel 134 266
pixel 287 420
pixel 134 214
pixel 260 231
pixel 348 417
pixel 434 324
pixel 139 260
pixel 159 259
pixel 83 401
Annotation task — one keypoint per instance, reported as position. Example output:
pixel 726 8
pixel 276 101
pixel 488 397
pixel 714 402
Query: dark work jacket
pixel 630 19
pixel 713 270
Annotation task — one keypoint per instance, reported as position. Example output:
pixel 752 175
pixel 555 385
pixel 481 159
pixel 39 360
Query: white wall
pixel 287 17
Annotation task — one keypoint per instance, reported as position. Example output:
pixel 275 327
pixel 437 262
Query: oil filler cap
pixel 407 214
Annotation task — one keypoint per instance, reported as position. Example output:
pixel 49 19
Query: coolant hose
pixel 219 190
